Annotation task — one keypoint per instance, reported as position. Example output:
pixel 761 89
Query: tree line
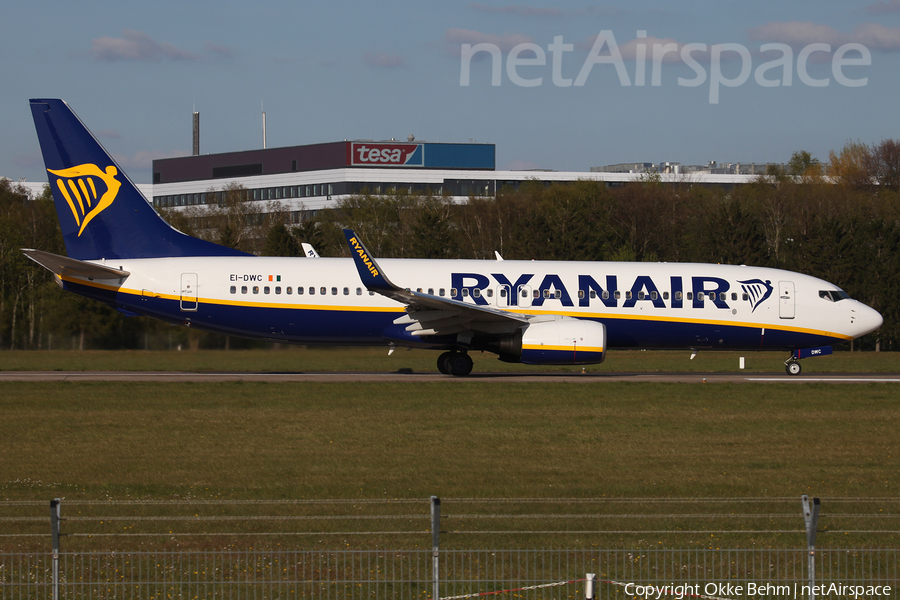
pixel 843 228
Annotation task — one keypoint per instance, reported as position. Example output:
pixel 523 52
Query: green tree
pixel 280 242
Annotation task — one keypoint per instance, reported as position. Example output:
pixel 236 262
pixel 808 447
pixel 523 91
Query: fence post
pixel 435 546
pixel 54 535
pixel 589 586
pixel 811 519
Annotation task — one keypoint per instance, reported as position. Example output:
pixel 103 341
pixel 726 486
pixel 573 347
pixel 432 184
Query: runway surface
pixel 368 377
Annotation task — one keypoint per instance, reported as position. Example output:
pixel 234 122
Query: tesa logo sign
pixel 386 154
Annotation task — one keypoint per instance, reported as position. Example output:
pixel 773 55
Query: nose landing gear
pixel 793 367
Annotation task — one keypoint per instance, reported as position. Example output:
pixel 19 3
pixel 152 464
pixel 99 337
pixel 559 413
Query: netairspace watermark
pixel 605 51
pixel 721 591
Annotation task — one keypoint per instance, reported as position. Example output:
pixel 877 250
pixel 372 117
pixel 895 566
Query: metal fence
pixel 403 574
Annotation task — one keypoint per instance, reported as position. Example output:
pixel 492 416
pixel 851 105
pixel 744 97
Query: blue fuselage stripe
pixel 342 327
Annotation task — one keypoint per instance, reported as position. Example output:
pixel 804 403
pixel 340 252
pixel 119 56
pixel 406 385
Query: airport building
pixel 306 179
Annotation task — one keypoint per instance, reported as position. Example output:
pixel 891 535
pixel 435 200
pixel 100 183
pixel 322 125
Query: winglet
pixel 369 272
pixel 309 251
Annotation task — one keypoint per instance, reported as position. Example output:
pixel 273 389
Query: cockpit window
pixel 833 295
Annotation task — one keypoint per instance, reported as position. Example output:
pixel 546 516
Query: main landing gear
pixel 455 363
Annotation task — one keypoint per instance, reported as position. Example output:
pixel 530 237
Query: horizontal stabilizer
pixel 65 266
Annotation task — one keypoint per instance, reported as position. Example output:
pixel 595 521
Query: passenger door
pixel 786 302
pixel 188 291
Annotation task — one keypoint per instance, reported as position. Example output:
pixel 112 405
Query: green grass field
pixel 306 441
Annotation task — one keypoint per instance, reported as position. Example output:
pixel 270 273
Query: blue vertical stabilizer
pixel 101 213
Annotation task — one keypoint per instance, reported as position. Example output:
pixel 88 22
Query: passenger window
pixel 277 289
pixel 558 294
pixel 503 292
pixel 678 296
pixel 524 293
pixel 419 290
pixel 618 295
pixel 255 289
pixel 628 295
pixel 323 291
pixel 290 290
pixel 431 291
pixel 745 297
pixel 234 289
pixel 700 296
pixel 452 292
pixel 546 293
pixel 371 293
pixel 266 290
pixel 359 291
pixel 580 294
pixel 243 289
pixel 537 293
pixel 490 293
pixel 654 296
pixel 441 292
pixel 665 295
pixel 346 291
pixel 734 295
pixel 604 295
pixel 312 291
pixel 712 295
pixel 690 295
pixel 476 293
pixel 641 295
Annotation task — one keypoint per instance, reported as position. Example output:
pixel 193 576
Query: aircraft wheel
pixel 460 364
pixel 793 368
pixel 443 362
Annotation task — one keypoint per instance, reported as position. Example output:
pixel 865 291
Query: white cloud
pixel 137 46
pixel 457 37
pixel 880 8
pixel 383 60
pixel 799 33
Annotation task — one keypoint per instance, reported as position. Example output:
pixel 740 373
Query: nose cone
pixel 867 319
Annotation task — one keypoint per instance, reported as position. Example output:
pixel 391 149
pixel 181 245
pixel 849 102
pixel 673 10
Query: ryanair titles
pixel 363 256
pixel 526 291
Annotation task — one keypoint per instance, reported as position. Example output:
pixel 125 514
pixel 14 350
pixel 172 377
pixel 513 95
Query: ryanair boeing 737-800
pixel 121 252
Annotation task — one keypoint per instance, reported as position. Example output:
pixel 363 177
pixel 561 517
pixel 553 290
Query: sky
pixel 562 85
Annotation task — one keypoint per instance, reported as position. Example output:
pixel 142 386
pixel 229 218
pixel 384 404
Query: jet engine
pixel 564 341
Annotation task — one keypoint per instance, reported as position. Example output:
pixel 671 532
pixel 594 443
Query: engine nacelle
pixel 565 341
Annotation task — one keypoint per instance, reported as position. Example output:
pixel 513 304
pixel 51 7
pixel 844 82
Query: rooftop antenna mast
pixel 264 123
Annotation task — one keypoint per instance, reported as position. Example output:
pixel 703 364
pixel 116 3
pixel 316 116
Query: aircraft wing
pixel 63 265
pixel 427 314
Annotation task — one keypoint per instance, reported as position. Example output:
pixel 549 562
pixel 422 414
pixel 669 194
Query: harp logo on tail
pixel 758 291
pixel 87 190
